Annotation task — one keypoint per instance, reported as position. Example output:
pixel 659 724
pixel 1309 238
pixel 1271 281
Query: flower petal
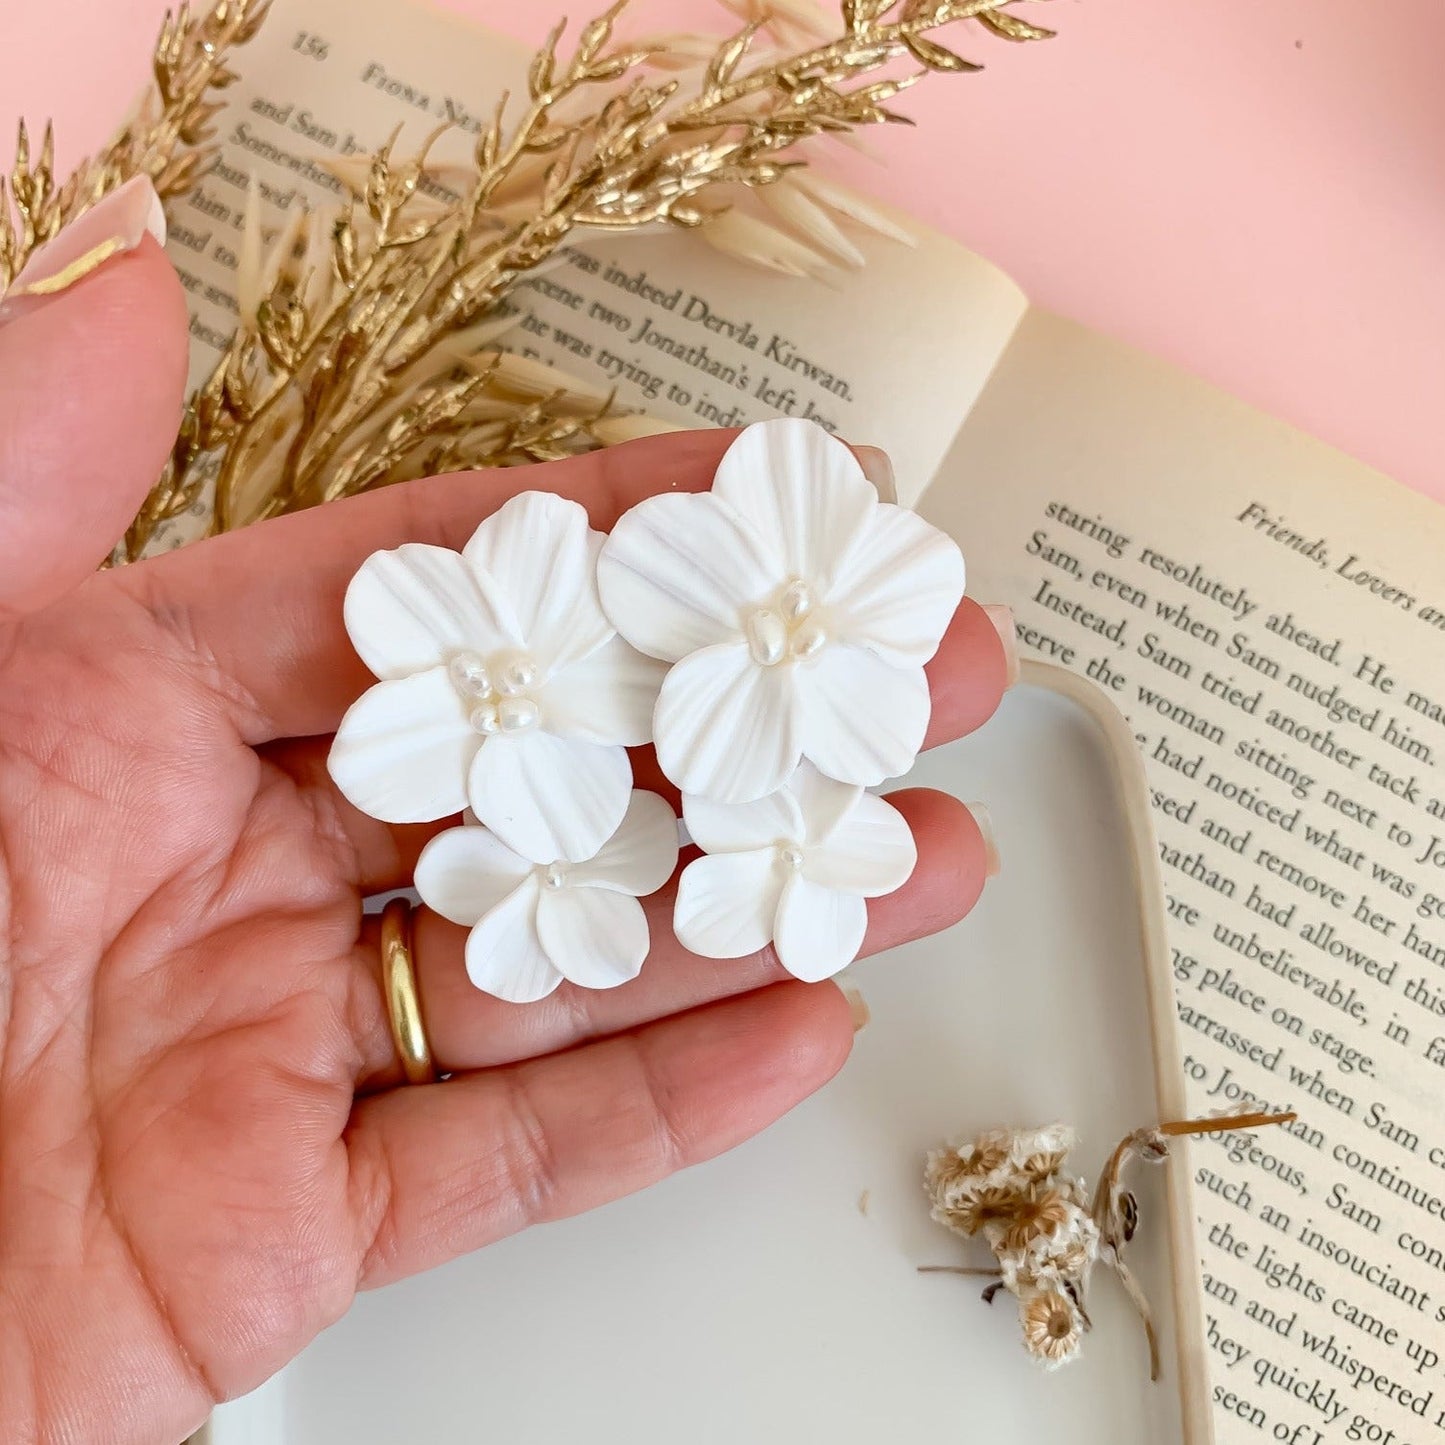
pixel 594 938
pixel 823 802
pixel 741 827
pixel 862 720
pixel 403 750
pixel 550 798
pixel 640 856
pixel 819 930
pixel 795 482
pixel 727 905
pixel 897 588
pixel 608 697
pixel 465 872
pixel 542 555
pixel 679 572
pixel 871 852
pixel 414 608
pixel 505 957
pixel 727 727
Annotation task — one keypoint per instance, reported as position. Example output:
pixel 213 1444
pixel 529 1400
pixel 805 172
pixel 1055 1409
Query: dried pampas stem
pixel 1045 1233
pixel 361 364
pixel 168 139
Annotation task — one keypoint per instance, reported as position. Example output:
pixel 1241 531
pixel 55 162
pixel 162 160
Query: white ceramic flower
pixel 799 611
pixel 532 926
pixel 793 870
pixel 503 685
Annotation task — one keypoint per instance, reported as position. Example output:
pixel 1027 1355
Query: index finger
pixel 263 606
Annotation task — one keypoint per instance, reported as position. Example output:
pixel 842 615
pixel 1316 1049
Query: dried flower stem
pixel 1010 1186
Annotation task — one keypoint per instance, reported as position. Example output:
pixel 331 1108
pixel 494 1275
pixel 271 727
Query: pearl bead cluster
pixel 497 690
pixel 788 631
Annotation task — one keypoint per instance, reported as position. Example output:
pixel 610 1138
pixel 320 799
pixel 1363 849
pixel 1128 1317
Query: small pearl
pixel 767 638
pixel 518 676
pixel 485 720
pixel 469 675
pixel 555 877
pixel 517 714
pixel 809 641
pixel 797 601
pixel 791 858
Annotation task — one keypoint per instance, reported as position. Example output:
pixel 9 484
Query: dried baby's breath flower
pixel 1037 1212
pixel 1045 1231
pixel 1053 1329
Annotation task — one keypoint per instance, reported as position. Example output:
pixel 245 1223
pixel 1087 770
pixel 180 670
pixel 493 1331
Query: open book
pixel 1268 613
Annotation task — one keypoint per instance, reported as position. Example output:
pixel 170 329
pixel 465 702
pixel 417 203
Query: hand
pixel 204 1151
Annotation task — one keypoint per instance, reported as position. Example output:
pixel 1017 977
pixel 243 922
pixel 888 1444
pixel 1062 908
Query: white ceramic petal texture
pixel 897 588
pixel 795 482
pixel 726 727
pixel 550 798
pixel 819 930
pixel 415 607
pixel 505 957
pixel 606 697
pixel 541 553
pixel 465 872
pixel 403 750
pixel 680 572
pixel 862 720
pixel 871 852
pixel 739 827
pixel 822 802
pixel 594 939
pixel 640 856
pixel 727 905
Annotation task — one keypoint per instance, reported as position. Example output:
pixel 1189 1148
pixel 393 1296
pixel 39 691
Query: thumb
pixel 93 341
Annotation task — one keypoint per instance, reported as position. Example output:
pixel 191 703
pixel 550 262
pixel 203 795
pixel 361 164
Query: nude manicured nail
pixel 878 468
pixel 1006 626
pixel 860 1010
pixel 110 228
pixel 984 819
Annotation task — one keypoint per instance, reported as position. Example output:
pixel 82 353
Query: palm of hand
pixel 185 993
pixel 203 1151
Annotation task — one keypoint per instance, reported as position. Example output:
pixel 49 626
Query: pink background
pixel 1254 189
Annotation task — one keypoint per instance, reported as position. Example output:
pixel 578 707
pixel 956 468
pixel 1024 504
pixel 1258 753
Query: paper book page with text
pixel 894 355
pixel 1271 617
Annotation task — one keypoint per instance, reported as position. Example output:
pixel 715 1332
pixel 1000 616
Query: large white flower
pixel 799 611
pixel 793 870
pixel 503 686
pixel 534 925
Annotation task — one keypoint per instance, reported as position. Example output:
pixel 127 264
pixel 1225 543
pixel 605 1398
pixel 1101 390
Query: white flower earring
pixel 535 924
pixel 503 685
pixel 793 869
pixel 797 612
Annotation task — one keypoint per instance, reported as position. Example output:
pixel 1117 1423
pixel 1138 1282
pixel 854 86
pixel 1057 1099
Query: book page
pixel 1271 617
pixel 894 355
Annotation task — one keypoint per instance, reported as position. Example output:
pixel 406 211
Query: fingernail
pixel 984 819
pixel 878 468
pixel 112 227
pixel 859 1009
pixel 1005 624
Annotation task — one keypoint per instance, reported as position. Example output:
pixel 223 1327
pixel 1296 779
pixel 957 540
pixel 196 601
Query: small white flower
pixel 792 869
pixel 799 611
pixel 534 925
pixel 503 685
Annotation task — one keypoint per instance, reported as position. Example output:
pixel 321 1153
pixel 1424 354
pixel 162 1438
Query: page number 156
pixel 312 46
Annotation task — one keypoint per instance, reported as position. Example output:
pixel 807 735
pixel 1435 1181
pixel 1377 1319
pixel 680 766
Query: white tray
pixel 753 1299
